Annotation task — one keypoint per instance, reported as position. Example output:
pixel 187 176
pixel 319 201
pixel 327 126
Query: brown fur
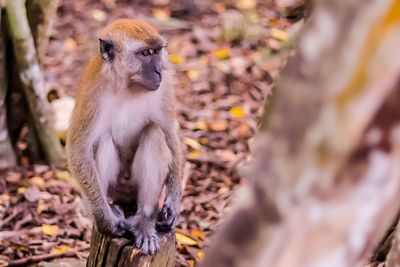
pixel 135 30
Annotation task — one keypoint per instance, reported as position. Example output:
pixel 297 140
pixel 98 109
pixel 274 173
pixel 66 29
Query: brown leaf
pixel 32 194
pixel 218 126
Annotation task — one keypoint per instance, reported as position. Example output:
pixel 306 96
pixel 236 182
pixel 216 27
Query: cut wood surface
pixel 108 251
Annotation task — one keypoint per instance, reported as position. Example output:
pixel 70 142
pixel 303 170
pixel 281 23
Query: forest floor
pixel 226 55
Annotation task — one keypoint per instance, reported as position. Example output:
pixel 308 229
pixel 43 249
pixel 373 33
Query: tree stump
pixel 119 252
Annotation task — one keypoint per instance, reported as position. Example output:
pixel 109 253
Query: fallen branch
pixel 44 257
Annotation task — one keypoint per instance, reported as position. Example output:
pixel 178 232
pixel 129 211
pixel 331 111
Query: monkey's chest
pixel 125 119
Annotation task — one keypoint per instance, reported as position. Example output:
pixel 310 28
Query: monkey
pixel 122 142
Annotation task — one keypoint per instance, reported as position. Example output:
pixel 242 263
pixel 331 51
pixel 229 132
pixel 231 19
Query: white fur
pixel 124 116
pixel 150 168
pixel 134 45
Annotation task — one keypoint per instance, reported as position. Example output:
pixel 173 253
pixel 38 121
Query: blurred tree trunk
pixel 293 8
pixel 31 77
pixel 393 257
pixel 326 175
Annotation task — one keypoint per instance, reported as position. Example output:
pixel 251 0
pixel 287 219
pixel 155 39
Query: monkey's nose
pixel 158 73
pixel 157 70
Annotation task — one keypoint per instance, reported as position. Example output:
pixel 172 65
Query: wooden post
pixel 119 252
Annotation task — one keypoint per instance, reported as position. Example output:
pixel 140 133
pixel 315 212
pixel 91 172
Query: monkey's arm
pixel 81 161
pixel 170 210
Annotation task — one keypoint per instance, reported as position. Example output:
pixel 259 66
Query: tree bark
pixel 106 251
pixel 326 174
pixel 40 16
pixel 393 257
pixel 32 81
pixel 7 154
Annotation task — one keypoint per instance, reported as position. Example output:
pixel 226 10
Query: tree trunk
pixel 105 251
pixel 393 257
pixel 7 154
pixel 326 174
pixel 32 81
pixel 40 17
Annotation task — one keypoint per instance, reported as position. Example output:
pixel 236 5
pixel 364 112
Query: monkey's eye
pixel 156 51
pixel 146 53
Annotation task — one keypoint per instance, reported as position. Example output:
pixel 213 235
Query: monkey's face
pixel 146 68
pixel 134 51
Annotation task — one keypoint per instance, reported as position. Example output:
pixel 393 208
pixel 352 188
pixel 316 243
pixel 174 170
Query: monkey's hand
pixel 168 216
pixel 113 223
pixel 143 229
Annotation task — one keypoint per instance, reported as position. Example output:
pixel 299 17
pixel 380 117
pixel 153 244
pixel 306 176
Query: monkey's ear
pixel 107 50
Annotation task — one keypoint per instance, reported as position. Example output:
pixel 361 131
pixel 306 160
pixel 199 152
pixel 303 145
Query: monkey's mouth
pixel 150 85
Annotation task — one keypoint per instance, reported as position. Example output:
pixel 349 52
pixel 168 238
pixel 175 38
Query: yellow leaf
pixel 198 233
pixel 41 206
pixel 61 135
pixel 192 143
pixel 22 248
pixel 201 125
pixel 200 255
pixel 246 4
pixel 193 74
pixel 223 190
pixel 218 126
pixel 21 190
pixel 222 53
pixel 191 262
pixel 50 229
pixel 279 35
pixel 237 112
pixel 183 239
pixel 203 140
pixel 60 249
pixel 226 155
pixel 194 154
pixel 63 175
pixel 244 130
pixel 70 44
pixel 99 15
pixel 219 7
pixel 4 198
pixel 204 60
pixel 176 59
pixel 161 14
pixel 38 181
pixel 223 66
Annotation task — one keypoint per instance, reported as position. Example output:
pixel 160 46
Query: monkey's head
pixel 134 50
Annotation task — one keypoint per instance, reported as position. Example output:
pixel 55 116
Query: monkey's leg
pixel 149 168
pixel 109 219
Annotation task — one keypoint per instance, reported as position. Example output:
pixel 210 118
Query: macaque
pixel 122 142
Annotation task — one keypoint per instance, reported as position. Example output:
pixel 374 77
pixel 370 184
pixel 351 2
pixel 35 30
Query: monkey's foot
pixel 167 219
pixel 114 224
pixel 114 227
pixel 146 237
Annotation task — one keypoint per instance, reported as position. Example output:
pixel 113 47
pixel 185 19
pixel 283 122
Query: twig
pixel 9 218
pixel 38 258
pixel 9 234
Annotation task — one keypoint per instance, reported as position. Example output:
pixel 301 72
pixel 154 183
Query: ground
pixel 227 56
